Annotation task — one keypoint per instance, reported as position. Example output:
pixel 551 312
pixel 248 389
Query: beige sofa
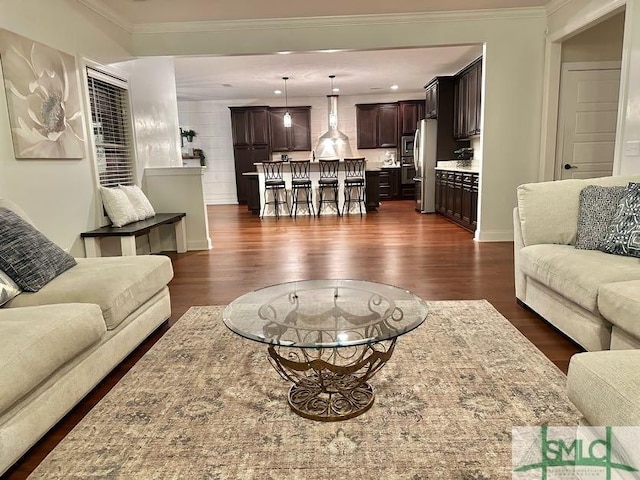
pixel 58 343
pixel 591 296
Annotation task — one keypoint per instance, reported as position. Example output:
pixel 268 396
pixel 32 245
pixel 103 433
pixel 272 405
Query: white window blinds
pixel 111 120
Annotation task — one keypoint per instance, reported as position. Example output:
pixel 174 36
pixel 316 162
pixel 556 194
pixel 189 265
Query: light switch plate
pixel 632 149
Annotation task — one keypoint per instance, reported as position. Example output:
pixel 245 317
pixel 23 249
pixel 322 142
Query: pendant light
pixel 333 118
pixel 287 115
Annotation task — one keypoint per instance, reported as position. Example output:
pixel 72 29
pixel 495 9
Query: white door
pixel 587 122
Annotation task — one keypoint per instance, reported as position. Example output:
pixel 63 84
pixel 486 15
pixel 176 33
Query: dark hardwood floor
pixel 423 253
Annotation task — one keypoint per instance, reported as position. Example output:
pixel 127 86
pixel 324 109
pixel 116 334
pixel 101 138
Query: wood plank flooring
pixel 423 253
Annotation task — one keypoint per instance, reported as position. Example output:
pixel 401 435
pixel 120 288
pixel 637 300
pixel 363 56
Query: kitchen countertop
pixel 460 169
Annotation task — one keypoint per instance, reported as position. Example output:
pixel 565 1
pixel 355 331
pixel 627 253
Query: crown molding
pixel 339 21
pixel 103 10
pixel 554 5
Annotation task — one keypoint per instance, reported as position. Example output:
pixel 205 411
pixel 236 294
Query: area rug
pixel 205 403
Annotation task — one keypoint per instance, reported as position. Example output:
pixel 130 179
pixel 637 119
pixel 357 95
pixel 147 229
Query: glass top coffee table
pixel 328 337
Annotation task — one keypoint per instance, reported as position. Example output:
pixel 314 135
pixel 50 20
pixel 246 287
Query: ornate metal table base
pixel 331 384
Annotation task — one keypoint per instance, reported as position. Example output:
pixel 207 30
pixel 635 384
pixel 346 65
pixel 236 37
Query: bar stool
pixel 353 182
pixel 300 181
pixel 328 180
pixel 274 183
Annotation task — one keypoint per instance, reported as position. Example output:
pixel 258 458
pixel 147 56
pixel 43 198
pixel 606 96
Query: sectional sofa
pixel 591 296
pixel 57 344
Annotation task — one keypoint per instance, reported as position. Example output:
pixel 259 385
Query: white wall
pixel 58 195
pixel 154 106
pixel 212 122
pixel 602 42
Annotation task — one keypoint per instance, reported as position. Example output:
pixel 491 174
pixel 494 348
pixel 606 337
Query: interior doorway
pixel 587 116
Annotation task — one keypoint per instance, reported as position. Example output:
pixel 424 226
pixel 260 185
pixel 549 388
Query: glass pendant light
pixel 333 118
pixel 287 115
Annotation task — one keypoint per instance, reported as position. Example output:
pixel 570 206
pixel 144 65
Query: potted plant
pixel 189 134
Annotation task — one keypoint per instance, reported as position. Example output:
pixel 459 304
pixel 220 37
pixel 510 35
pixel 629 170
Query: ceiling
pixel 357 72
pixel 256 77
pixel 160 11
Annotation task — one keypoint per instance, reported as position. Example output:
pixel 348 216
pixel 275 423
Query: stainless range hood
pixel 333 143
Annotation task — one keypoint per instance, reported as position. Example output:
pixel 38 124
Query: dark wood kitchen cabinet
pixel 410 112
pixel 468 101
pixel 296 138
pixel 250 125
pixel 372 189
pixel 251 143
pixel 377 125
pixel 389 183
pixel 457 197
pixel 439 105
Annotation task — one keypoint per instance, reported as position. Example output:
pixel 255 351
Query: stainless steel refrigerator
pixel 424 157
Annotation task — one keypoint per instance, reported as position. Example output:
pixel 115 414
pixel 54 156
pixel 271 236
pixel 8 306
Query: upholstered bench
pixel 129 232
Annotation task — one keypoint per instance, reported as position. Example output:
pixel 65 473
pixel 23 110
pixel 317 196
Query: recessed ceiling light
pixel 278 92
pixel 335 89
pixel 394 87
pixel 329 50
pixel 284 52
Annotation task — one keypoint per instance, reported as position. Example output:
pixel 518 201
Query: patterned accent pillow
pixel 118 206
pixel 27 256
pixel 623 234
pixel 139 200
pixel 598 205
pixel 8 289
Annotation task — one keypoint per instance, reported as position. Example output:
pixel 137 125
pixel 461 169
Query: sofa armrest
pixel 518 244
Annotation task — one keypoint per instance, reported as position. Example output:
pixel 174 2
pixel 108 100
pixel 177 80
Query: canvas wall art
pixel 43 99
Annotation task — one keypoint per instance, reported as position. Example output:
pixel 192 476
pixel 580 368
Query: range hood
pixel 333 143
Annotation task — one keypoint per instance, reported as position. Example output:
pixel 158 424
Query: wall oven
pixel 407 172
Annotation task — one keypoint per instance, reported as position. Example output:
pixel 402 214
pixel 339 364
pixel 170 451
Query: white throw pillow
pixel 8 288
pixel 139 200
pixel 118 206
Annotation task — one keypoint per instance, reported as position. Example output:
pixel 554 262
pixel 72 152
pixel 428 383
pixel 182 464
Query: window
pixel 111 121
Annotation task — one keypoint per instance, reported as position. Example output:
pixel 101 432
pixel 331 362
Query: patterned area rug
pixel 205 403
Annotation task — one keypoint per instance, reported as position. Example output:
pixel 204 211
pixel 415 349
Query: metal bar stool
pixel 354 183
pixel 274 183
pixel 300 180
pixel 328 180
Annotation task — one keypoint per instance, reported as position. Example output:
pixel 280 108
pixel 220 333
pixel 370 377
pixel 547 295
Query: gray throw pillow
pixel 28 257
pixel 598 205
pixel 623 234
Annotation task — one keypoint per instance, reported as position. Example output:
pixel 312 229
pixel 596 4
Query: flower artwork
pixel 43 99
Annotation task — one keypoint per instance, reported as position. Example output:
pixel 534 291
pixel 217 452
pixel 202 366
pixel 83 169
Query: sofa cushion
pixel 26 255
pixel 119 285
pixel 37 341
pixel 549 210
pixel 576 274
pixel 620 304
pixel 605 386
pixel 8 288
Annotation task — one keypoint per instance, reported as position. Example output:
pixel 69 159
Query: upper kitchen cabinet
pixel 377 125
pixel 411 111
pixel 468 100
pixel 439 103
pixel 290 139
pixel 250 125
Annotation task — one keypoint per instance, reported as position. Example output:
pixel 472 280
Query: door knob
pixel 568 167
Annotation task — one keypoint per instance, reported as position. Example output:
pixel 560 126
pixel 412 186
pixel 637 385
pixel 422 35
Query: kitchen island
pixel 371 191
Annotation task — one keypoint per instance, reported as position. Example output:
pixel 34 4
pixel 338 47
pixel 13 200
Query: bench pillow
pixel 139 200
pixel 27 256
pixel 118 207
